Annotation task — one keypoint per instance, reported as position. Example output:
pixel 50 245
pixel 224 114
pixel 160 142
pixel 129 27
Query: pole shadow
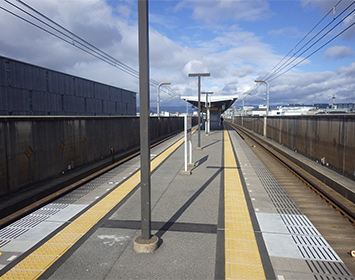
pixel 186 205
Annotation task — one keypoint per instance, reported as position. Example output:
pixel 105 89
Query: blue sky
pixel 237 41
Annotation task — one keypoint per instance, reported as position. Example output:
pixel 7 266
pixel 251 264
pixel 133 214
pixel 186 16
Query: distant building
pixel 293 110
pixel 322 105
pixel 26 89
pixel 349 106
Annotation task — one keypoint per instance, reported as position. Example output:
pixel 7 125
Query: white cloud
pixel 233 55
pixel 195 66
pixel 338 52
pixel 317 87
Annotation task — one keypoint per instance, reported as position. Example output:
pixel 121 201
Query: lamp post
pixel 199 75
pixel 158 97
pixel 145 243
pixel 207 125
pixel 267 102
pixel 267 94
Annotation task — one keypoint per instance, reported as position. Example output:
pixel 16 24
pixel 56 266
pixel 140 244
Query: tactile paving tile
pixel 239 263
pixel 21 275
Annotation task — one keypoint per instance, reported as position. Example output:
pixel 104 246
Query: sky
pixel 236 41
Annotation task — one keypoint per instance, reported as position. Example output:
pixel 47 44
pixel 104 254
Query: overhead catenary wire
pixel 53 34
pixel 75 37
pixel 294 59
pixel 276 73
pixel 71 41
pixel 315 51
pixel 268 75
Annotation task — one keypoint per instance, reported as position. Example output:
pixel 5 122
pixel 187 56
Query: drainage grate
pixel 296 220
pixel 329 270
pixel 67 200
pixel 309 240
pixel 43 213
pixel 10 233
pixel 318 253
pixel 23 225
pixel 26 223
pixel 302 230
pixel 3 242
pixel 299 224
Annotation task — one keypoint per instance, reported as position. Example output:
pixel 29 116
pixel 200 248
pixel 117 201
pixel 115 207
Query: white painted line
pixel 12 258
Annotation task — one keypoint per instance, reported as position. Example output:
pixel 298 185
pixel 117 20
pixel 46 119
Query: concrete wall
pixel 36 149
pixel 318 136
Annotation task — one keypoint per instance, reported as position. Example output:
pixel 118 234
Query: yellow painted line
pixel 35 264
pixel 242 257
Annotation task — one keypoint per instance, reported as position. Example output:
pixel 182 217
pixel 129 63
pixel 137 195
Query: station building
pixel 27 89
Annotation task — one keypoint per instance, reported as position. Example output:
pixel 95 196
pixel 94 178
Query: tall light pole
pixel 145 243
pixel 158 97
pixel 207 124
pixel 267 94
pixel 199 75
pixel 267 102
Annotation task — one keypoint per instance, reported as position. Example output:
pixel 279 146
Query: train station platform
pixel 229 219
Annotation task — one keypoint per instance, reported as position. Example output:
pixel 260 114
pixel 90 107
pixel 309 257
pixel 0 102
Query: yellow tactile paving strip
pixel 242 258
pixel 35 264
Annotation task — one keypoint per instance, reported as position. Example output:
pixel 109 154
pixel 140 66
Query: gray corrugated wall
pixel 317 136
pixel 30 90
pixel 35 149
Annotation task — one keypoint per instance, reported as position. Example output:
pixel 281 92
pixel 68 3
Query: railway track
pixel 331 213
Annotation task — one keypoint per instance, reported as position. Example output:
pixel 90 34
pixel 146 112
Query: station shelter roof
pixel 218 102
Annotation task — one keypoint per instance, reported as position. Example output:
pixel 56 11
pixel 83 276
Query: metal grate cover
pixel 23 225
pixel 3 242
pixel 9 233
pixel 329 270
pixel 318 253
pixel 308 240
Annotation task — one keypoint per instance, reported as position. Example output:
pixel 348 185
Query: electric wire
pixel 124 66
pixel 82 47
pixel 309 32
pixel 71 38
pixel 285 66
pixel 275 74
pixel 315 51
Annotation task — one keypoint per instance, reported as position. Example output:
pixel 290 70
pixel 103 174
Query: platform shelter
pixel 216 104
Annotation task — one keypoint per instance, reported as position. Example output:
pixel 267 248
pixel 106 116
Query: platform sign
pixel 188 139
